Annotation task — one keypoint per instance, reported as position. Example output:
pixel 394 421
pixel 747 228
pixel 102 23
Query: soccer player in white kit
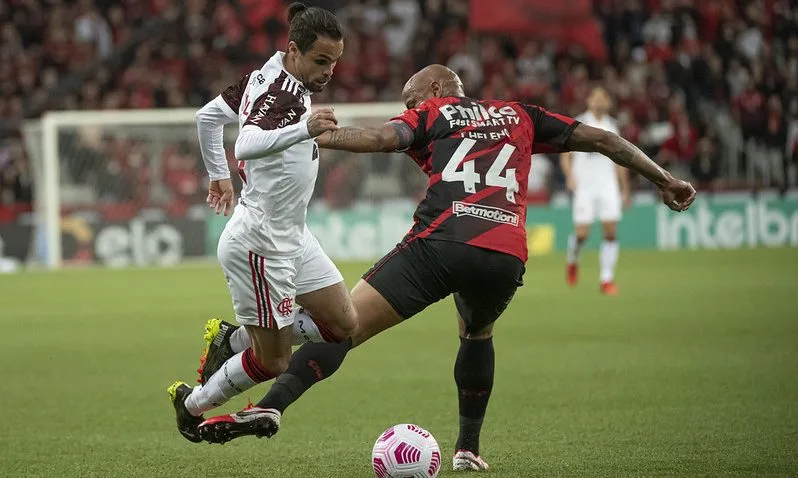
pixel 600 189
pixel 272 263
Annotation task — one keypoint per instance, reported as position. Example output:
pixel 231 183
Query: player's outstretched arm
pixel 266 132
pixel 211 119
pixel 390 137
pixel 676 194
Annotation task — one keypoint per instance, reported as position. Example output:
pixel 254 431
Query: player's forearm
pixel 620 151
pixel 210 120
pixel 356 140
pixel 625 154
pixel 256 143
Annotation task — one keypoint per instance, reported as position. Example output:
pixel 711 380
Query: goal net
pixel 128 188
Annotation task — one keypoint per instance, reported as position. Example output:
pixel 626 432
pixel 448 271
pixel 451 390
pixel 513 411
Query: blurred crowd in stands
pixel 707 87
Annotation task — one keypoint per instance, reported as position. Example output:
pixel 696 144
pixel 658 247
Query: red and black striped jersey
pixel 477 155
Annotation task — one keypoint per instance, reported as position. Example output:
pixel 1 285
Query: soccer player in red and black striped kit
pixel 469 234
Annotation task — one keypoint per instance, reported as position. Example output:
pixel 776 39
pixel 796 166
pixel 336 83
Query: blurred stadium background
pixel 690 371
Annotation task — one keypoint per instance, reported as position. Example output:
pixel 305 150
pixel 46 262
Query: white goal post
pixel 159 124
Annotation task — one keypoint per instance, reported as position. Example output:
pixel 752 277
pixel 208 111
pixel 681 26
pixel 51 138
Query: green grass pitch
pixel 692 370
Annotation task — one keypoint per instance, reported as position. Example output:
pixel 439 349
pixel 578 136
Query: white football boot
pixel 467 461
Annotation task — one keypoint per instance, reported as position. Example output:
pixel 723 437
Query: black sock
pixel 311 363
pixel 473 373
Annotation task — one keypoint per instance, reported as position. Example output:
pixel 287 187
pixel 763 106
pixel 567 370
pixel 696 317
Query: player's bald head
pixel 431 81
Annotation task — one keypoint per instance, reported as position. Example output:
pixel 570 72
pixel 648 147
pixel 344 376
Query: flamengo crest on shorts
pixel 488 213
pixel 285 307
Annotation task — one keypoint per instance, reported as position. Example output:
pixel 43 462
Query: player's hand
pixel 678 195
pixel 322 120
pixel 220 196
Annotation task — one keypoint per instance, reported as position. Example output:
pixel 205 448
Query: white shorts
pixel 264 290
pixel 592 204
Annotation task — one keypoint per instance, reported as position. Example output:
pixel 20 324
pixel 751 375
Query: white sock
pixel 608 257
pixel 240 373
pixel 239 340
pixel 305 329
pixel 574 246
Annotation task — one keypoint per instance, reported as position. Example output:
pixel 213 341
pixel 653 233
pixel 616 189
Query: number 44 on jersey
pixel 496 176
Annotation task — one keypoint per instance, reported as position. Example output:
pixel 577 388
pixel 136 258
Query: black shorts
pixel 420 272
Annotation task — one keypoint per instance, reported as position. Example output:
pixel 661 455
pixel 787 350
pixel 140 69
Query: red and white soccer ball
pixel 406 451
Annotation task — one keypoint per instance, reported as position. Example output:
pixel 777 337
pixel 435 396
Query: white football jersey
pixel 273 108
pixel 595 171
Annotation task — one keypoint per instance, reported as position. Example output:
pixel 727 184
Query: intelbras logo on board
pixel 488 213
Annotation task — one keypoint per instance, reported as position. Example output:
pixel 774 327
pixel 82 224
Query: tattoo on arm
pixel 345 136
pixel 619 150
pixel 363 140
pixel 404 134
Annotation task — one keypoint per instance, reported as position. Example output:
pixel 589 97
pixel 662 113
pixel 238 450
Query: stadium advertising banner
pixel 725 221
pixel 730 222
pixel 151 237
pixel 160 237
pixel 721 221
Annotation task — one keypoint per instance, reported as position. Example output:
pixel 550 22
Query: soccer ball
pixel 406 451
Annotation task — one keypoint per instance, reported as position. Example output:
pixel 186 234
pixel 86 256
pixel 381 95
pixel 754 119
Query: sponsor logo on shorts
pixel 488 213
pixel 285 307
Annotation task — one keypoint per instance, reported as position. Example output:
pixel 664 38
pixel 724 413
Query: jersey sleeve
pixel 211 119
pixel 274 124
pixel 552 130
pixel 275 110
pixel 233 94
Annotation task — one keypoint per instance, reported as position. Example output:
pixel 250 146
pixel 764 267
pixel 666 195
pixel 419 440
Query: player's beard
pixel 317 87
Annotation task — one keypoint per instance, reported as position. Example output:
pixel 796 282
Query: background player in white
pixel 600 188
pixel 271 261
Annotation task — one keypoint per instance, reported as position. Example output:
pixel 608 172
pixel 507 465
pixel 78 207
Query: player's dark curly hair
pixel 306 24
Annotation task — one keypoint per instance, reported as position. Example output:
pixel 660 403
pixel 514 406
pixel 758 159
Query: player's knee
pixel 343 325
pixel 346 327
pixel 273 362
pixel 482 334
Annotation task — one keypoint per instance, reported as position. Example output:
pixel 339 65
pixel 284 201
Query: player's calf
pixel 309 365
pixel 223 340
pixel 575 242
pixel 473 373
pixel 608 259
pixel 271 348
